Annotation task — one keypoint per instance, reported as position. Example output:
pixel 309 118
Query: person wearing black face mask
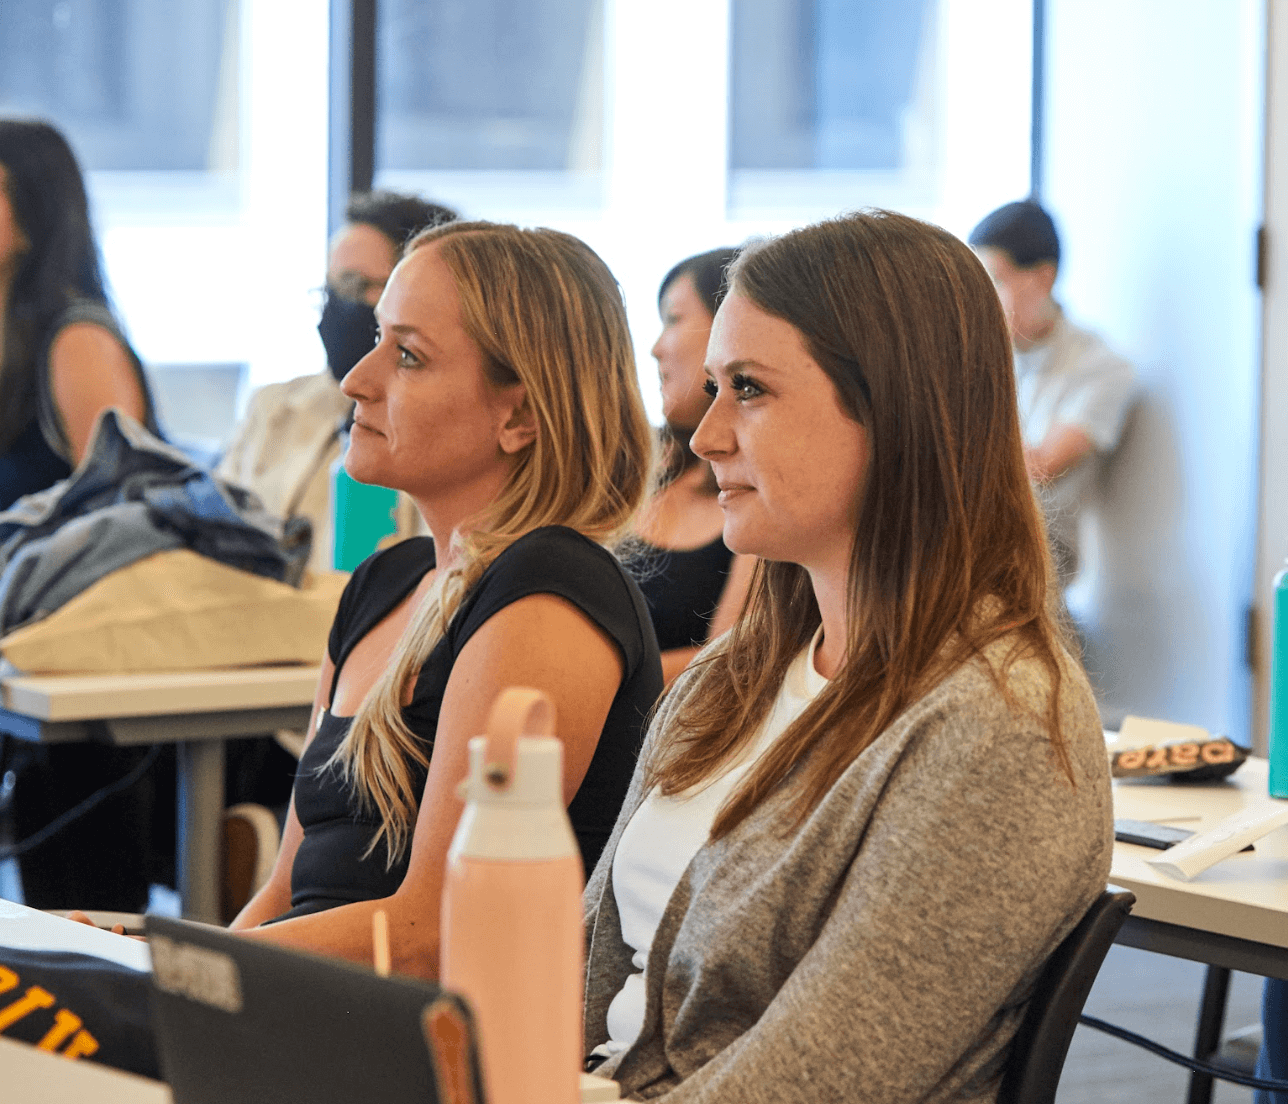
pixel 284 448
pixel 348 330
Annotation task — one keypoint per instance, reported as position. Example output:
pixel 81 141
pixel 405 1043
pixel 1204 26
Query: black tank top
pixel 329 869
pixel 29 465
pixel 39 456
pixel 682 589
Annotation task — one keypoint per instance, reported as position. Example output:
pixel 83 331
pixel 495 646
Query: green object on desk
pixel 1279 691
pixel 362 516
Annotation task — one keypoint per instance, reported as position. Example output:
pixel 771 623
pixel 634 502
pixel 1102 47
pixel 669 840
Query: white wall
pixel 1153 171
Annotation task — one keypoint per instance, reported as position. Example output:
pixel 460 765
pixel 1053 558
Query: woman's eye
pixel 406 359
pixel 709 386
pixel 744 387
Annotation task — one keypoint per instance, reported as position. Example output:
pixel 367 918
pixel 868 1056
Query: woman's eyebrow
pixel 740 365
pixel 405 330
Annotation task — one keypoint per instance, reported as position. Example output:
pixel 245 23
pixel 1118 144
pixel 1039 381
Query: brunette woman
pixel 693 584
pixel 865 817
pixel 64 360
pixel 63 356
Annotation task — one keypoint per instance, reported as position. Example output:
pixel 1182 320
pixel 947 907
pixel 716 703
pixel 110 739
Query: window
pixel 202 129
pixel 830 100
pixel 133 84
pixel 491 98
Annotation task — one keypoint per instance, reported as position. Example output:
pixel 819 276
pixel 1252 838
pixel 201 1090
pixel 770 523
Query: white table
pixel 196 710
pixel 32 1075
pixel 1234 914
pixel 28 1074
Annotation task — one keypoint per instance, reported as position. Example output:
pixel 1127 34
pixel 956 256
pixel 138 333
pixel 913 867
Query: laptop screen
pixel 241 1020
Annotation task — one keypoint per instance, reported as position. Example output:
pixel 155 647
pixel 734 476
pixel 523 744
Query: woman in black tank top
pixel 64 360
pixel 499 349
pixel 693 584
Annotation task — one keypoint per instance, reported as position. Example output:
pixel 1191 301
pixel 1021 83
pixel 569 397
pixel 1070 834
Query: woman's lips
pixel 731 492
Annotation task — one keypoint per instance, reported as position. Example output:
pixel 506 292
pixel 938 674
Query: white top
pixel 666 832
pixel 1072 378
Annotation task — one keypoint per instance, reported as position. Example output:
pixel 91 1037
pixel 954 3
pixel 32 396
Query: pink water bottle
pixel 511 924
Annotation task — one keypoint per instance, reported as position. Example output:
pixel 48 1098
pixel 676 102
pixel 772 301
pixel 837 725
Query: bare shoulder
pixel 87 344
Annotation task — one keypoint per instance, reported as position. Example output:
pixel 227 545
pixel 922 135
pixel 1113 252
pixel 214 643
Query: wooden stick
pixel 380 942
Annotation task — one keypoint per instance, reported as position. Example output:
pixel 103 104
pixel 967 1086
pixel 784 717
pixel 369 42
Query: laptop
pixel 241 1020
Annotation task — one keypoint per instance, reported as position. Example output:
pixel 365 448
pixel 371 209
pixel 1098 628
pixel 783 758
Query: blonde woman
pixel 502 397
pixel 865 817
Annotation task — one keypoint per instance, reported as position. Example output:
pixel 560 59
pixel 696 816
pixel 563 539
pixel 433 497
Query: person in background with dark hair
pixel 284 447
pixel 63 356
pixel 1073 390
pixel 63 361
pixel 865 817
pixel 693 584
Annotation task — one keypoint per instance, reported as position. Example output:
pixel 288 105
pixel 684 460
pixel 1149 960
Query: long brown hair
pixel 546 312
pixel 949 552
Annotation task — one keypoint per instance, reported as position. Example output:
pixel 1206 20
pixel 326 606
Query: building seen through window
pixel 135 85
pixel 832 93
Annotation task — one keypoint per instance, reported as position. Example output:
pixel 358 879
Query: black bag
pixel 79 1006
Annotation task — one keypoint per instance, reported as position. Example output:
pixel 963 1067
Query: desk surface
pixel 197 710
pixel 32 1075
pixel 1244 896
pixel 103 697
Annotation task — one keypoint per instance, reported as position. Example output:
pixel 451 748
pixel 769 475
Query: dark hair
pixel 1023 231
pixel 949 551
pixel 399 217
pixel 709 273
pixel 47 194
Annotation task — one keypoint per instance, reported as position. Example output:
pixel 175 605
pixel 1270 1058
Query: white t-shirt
pixel 665 833
pixel 1072 378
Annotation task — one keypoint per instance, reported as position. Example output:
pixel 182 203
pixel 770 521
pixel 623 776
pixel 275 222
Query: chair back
pixel 1040 1045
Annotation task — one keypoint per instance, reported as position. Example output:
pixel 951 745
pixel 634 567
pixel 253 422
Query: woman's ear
pixel 520 428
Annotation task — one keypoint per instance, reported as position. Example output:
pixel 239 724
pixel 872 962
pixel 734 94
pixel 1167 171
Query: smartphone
pixel 1161 836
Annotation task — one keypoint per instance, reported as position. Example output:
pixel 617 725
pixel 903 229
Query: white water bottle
pixel 511 916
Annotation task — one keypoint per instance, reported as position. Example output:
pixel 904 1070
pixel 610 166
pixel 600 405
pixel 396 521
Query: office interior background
pixel 657 129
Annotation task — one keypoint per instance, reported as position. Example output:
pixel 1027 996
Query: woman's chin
pixel 359 472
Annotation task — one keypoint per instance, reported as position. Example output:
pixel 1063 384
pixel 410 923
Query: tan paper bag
pixel 177 611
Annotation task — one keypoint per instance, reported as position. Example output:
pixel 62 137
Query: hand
pixel 116 929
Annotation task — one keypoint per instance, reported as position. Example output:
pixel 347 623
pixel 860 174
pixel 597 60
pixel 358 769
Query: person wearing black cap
pixel 1074 391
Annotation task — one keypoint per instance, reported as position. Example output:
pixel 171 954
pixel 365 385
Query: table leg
pixel 1207 1039
pixel 201 808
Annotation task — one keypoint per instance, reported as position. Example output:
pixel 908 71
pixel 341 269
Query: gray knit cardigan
pixel 885 950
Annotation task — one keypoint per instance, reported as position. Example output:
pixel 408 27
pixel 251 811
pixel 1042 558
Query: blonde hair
pixel 546 313
pixel 949 554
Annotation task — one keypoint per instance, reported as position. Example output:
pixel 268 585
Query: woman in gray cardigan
pixel 865 817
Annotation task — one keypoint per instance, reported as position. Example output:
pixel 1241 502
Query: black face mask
pixel 348 331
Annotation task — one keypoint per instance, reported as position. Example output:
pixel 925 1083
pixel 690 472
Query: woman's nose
pixel 712 437
pixel 359 382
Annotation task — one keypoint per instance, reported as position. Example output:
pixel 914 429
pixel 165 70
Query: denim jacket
pixel 133 495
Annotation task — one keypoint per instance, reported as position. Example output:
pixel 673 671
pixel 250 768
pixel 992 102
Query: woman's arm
pixel 737 582
pixel 540 641
pixel 274 896
pixel 89 372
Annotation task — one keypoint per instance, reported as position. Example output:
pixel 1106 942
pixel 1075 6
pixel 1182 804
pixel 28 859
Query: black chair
pixel 1040 1045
